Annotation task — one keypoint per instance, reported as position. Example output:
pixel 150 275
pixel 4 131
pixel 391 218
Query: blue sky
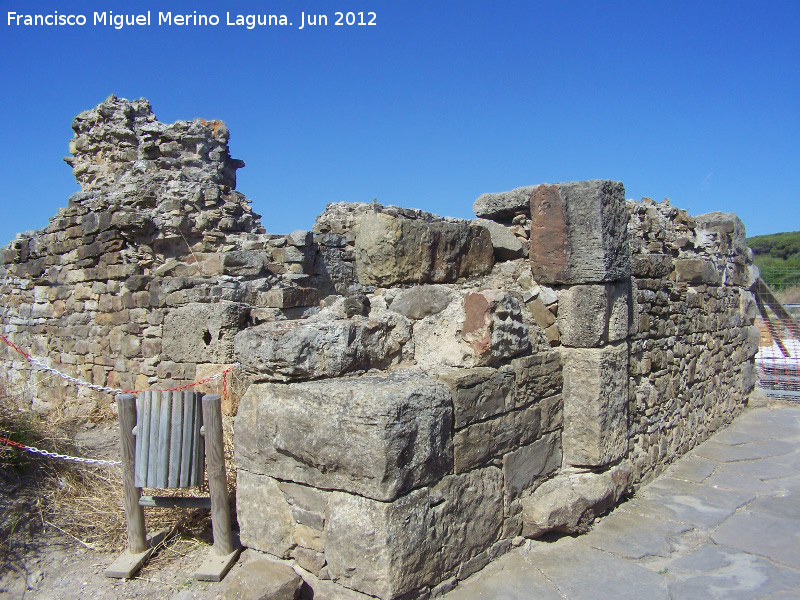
pixel 434 105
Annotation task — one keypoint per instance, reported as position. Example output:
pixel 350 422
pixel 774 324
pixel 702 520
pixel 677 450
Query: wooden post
pixel 217 478
pixel 134 515
pixel 139 550
pixel 224 553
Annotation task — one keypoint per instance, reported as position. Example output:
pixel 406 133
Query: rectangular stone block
pixel 264 515
pixel 526 468
pixel 504 205
pixel 477 444
pixel 376 435
pixel 243 263
pixel 478 393
pixel 595 404
pixel 543 316
pixel 579 232
pixel 299 349
pixel 308 499
pixel 115 272
pixel 552 413
pixel 289 297
pixel 202 333
pixel 651 265
pixel 697 271
pixel 593 314
pixel 537 376
pixel 392 250
pixel 288 254
pixel 390 549
pixel 473 565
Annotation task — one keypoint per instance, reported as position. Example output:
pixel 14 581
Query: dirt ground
pixel 40 560
pixel 37 561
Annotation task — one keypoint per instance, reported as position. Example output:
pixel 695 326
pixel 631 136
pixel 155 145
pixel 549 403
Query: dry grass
pixel 789 296
pixel 85 503
pixel 78 500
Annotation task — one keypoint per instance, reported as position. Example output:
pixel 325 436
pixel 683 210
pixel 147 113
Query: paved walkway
pixel 724 522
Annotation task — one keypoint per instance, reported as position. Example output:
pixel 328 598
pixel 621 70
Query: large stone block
pixel 391 250
pixel 287 350
pixel 594 314
pixel 375 435
pixel 579 232
pixel 389 549
pixel 478 393
pixel 506 245
pixel 243 262
pixel 730 230
pixel 264 515
pixel 526 468
pixel 480 443
pixel 263 579
pixel 200 332
pixel 697 271
pixel 569 502
pixel 289 297
pixel 537 376
pixel 595 404
pixel 421 301
pixel 504 205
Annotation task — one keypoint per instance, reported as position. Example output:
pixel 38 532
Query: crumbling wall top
pixel 164 178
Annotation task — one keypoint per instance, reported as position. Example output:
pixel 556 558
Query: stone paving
pixel 723 522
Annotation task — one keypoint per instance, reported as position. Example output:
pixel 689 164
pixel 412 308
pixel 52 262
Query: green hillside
pixel 778 257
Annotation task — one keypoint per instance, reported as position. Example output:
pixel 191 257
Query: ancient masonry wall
pixel 157 231
pixel 693 336
pixel 424 392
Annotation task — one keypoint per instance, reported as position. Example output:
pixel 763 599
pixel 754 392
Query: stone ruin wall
pixel 693 338
pixel 157 231
pixel 424 392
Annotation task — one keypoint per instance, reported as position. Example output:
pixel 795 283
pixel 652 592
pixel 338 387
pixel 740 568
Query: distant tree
pixel 778 257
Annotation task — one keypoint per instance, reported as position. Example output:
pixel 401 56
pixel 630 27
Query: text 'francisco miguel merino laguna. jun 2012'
pixel 251 21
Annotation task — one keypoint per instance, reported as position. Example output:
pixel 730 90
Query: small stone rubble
pixel 424 392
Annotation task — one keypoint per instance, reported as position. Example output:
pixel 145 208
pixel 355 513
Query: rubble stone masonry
pixel 424 392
